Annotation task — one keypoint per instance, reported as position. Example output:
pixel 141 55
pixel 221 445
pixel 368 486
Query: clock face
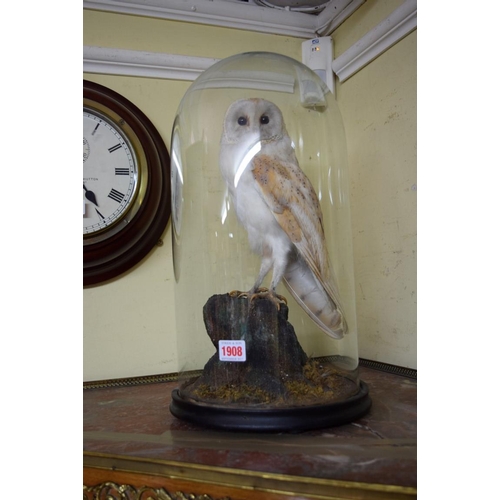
pixel 110 173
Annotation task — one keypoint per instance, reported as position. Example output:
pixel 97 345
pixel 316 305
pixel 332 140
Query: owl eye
pixel 264 119
pixel 242 120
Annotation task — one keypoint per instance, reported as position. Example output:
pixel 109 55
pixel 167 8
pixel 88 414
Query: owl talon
pixel 260 293
pixel 246 295
pixel 238 294
pixel 264 293
pixel 282 299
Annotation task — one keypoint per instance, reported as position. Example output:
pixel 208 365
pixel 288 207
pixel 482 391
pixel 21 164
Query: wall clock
pixel 126 184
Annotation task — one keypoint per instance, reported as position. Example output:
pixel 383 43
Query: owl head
pixel 252 118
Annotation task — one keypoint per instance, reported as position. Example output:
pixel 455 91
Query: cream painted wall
pixel 378 106
pixel 129 323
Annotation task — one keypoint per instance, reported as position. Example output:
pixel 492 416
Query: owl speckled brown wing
pixel 295 206
pixel 291 197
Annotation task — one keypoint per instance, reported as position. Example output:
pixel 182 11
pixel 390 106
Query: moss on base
pixel 320 384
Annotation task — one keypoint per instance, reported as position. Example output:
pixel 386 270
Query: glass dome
pixel 262 246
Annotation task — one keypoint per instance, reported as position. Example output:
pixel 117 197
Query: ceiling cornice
pixel 396 26
pixel 103 60
pixel 236 15
pixel 110 61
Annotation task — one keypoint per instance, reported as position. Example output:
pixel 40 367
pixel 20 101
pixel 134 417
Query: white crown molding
pixel 102 60
pixel 145 64
pixel 395 27
pixel 177 67
pixel 235 15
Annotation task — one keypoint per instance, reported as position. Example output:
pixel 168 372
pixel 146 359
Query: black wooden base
pixel 272 419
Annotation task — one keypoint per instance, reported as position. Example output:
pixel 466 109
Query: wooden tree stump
pixel 276 372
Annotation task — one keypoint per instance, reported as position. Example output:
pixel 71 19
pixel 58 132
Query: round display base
pixel 295 419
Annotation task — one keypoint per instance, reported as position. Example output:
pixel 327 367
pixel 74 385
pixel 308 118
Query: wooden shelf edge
pixel 135 475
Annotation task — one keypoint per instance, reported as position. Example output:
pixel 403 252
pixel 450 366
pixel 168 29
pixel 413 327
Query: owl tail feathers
pixel 315 298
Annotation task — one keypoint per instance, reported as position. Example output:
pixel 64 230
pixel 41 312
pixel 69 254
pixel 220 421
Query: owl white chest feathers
pixel 277 205
pixel 265 234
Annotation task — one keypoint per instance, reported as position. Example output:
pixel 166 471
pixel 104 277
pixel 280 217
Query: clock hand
pixel 90 196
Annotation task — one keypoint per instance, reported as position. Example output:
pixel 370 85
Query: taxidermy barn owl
pixel 277 205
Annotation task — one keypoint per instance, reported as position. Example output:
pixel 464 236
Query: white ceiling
pixel 304 6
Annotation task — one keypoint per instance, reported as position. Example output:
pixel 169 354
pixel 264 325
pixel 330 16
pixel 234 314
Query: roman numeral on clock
pixel 114 148
pixel 122 171
pixel 116 195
